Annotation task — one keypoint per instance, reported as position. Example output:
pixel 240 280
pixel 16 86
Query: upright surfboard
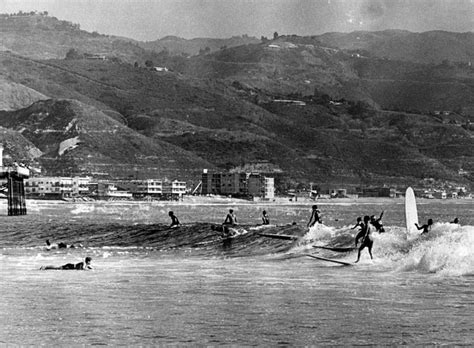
pixel 411 213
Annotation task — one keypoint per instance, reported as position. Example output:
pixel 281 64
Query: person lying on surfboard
pixel 315 216
pixel 82 266
pixel 60 245
pixel 367 238
pixel 426 228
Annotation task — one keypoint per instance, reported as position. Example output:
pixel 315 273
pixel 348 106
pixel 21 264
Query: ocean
pixel 152 285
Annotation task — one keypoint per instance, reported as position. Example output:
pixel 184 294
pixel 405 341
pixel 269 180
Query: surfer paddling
pixel 426 227
pixel 81 266
pixel 315 216
pixel 60 245
pixel 367 239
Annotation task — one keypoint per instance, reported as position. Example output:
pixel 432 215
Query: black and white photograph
pixel 204 173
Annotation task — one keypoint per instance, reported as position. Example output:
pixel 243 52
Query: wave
pixel 447 250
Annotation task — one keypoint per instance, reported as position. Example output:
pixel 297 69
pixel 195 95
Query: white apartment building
pixel 268 188
pixel 60 186
pixel 159 187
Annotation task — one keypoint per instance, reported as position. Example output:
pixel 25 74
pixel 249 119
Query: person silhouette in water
pixel 265 219
pixel 315 216
pixel 367 238
pixel 360 234
pixel 81 266
pixel 377 223
pixel 174 220
pixel 230 219
pixel 426 227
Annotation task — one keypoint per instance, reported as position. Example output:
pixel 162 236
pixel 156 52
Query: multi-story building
pixel 57 186
pixel 238 184
pixel 158 188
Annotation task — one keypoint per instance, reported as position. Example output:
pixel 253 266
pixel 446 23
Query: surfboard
pixel 411 213
pixel 278 236
pixel 342 250
pixel 329 260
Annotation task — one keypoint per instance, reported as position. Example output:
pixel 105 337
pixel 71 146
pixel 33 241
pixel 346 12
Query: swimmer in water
pixel 81 266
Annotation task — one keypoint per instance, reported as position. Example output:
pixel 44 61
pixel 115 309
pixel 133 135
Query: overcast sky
pixel 152 19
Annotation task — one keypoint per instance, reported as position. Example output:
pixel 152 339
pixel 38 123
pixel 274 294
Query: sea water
pixel 152 285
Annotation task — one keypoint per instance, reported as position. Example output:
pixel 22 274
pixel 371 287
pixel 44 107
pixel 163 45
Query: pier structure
pixel 15 175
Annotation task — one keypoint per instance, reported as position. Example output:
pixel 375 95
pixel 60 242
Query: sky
pixel 148 20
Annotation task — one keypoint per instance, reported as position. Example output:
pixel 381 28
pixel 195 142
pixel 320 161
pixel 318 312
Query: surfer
pixel 315 216
pixel 455 221
pixel 367 240
pixel 174 220
pixel 85 265
pixel 59 245
pixel 265 219
pixel 361 232
pixel 377 223
pixel 230 219
pixel 426 228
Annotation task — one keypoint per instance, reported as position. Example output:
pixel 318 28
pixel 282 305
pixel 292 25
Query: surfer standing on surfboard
pixel 315 216
pixel 367 241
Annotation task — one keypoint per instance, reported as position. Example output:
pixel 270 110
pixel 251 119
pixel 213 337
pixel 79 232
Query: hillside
pixel 172 45
pixel 301 65
pixel 16 96
pixel 75 138
pixel 432 47
pixel 40 36
pixel 309 112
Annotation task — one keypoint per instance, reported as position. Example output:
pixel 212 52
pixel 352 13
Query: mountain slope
pixel 78 139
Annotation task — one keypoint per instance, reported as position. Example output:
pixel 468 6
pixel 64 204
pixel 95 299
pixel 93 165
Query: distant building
pixel 157 188
pixel 57 186
pixel 377 192
pixel 238 184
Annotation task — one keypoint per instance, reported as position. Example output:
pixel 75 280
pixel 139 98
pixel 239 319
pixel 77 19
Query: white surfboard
pixel 411 213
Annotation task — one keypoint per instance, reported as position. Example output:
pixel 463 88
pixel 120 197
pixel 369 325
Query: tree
pixel 73 54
